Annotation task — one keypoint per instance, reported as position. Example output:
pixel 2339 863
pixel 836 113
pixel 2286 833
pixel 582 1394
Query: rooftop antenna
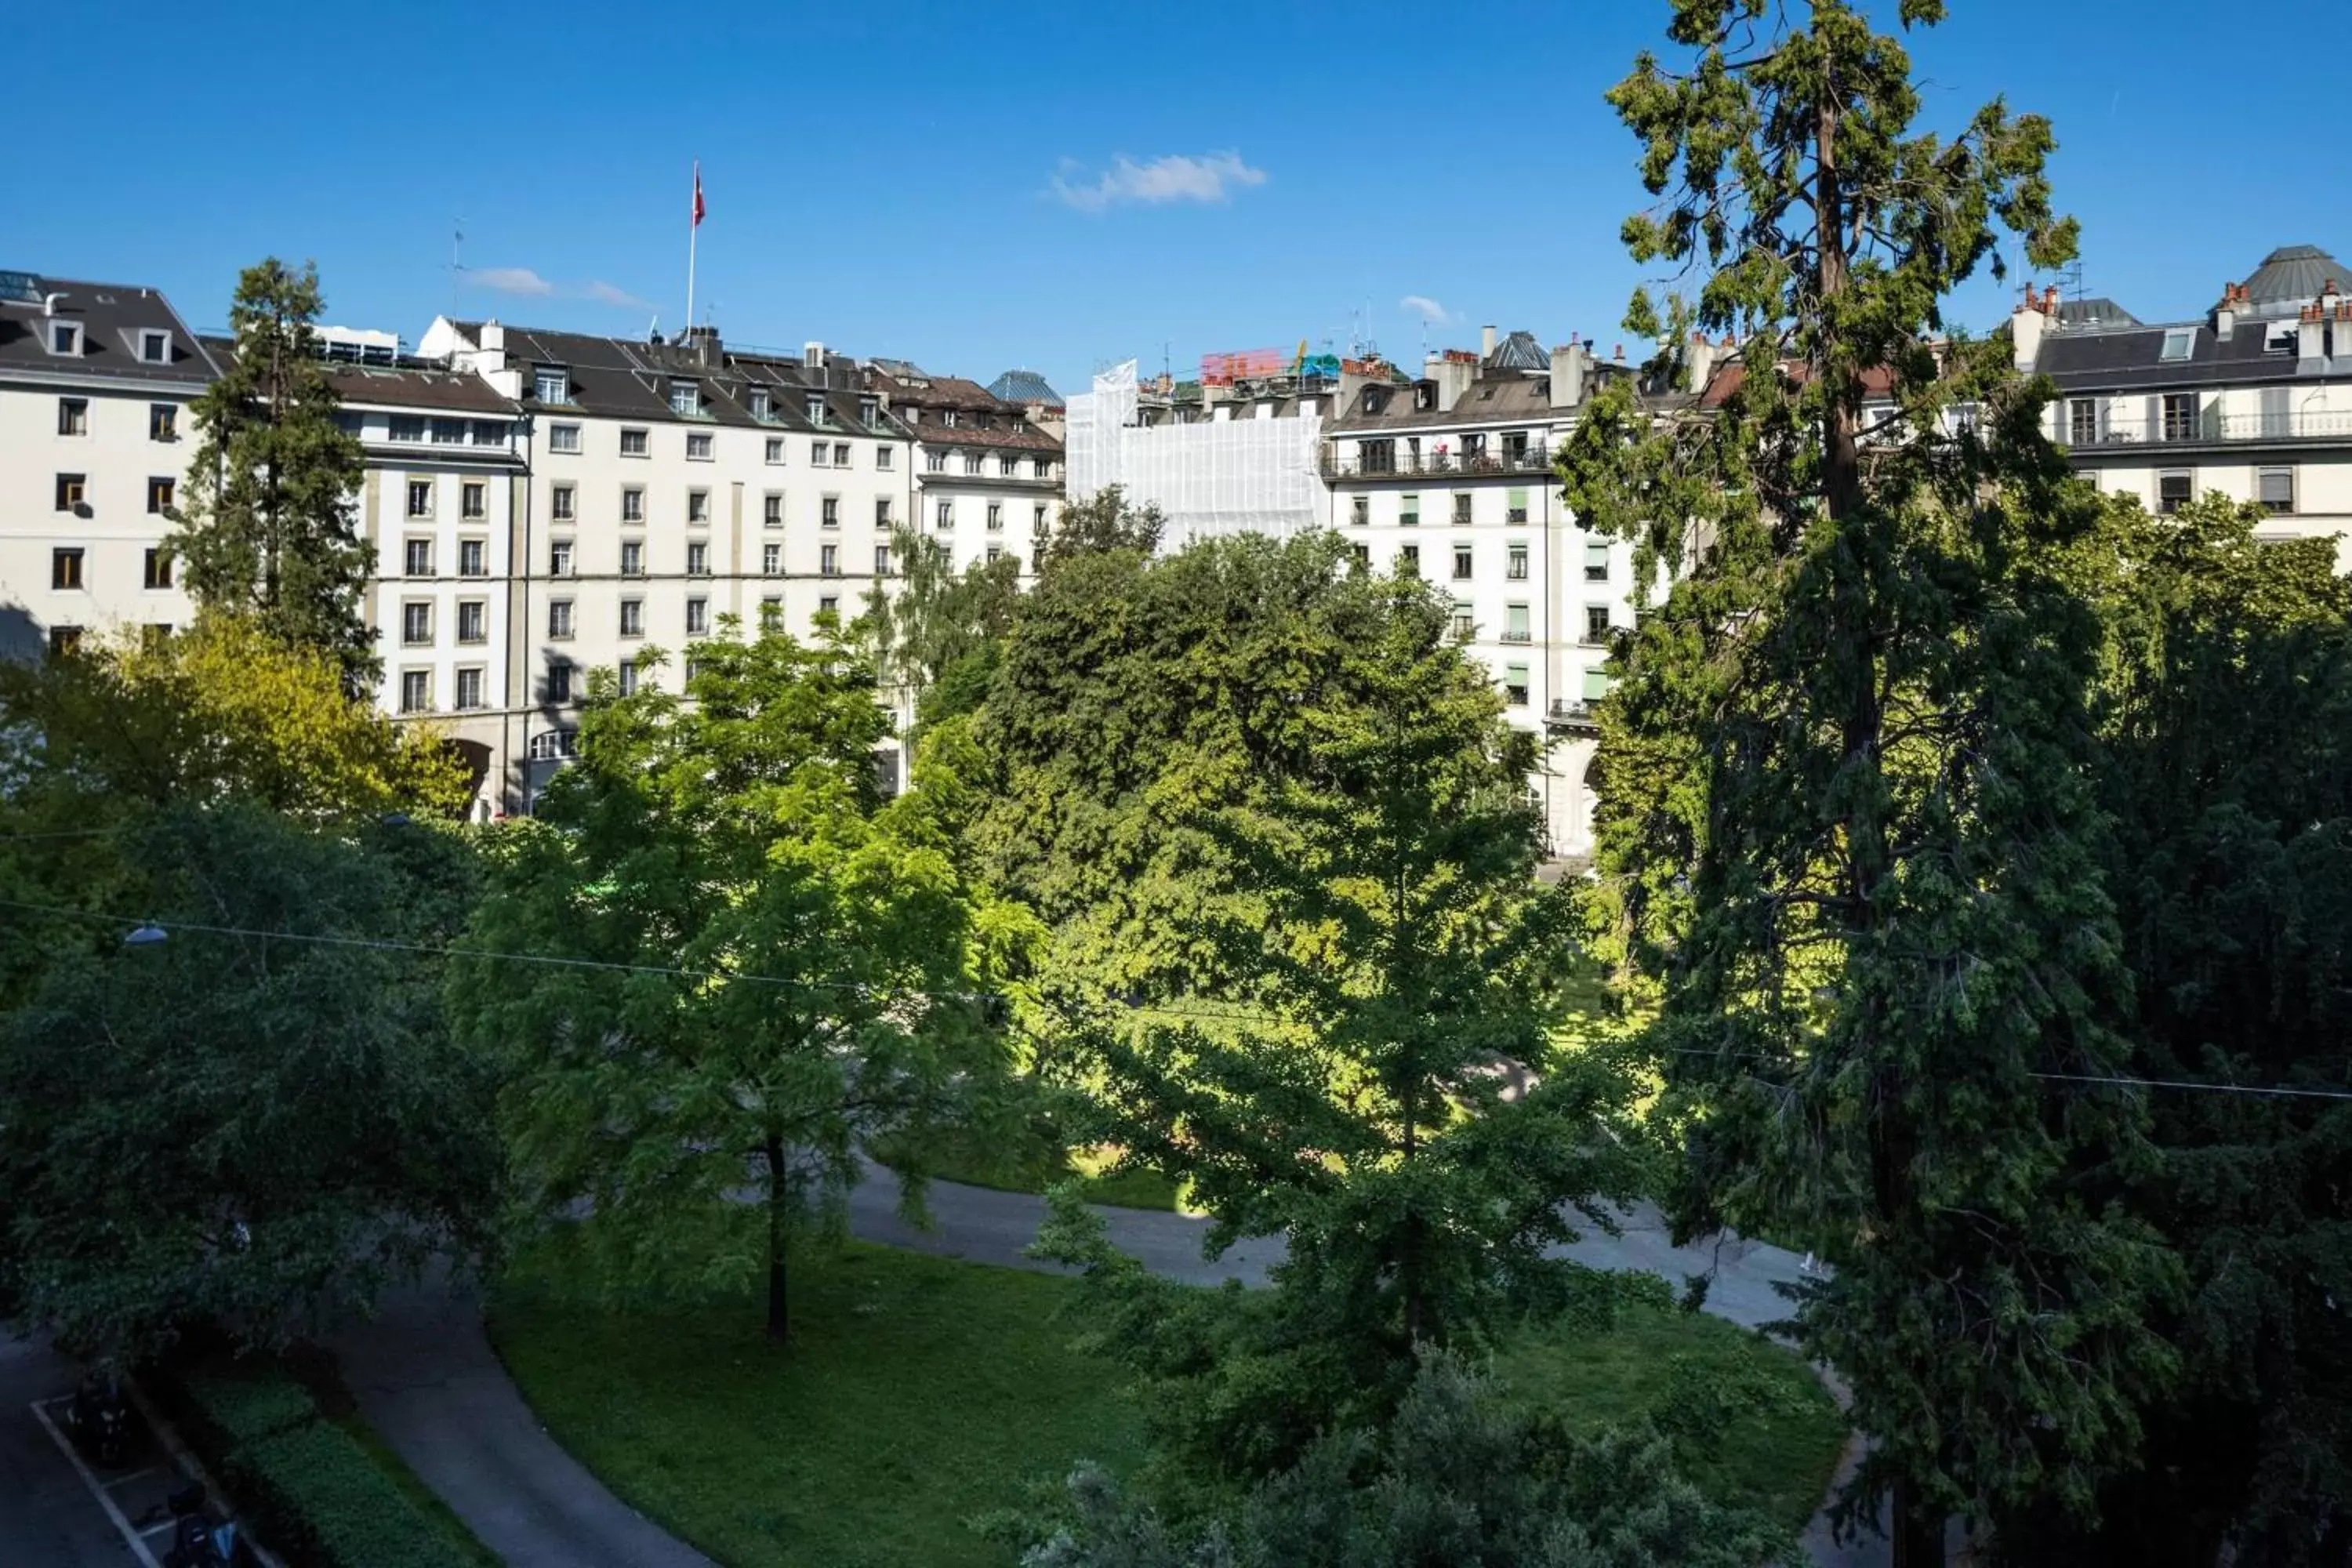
pixel 457 260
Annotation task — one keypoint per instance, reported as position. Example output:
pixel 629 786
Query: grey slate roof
pixel 1025 386
pixel 2097 311
pixel 410 385
pixel 1508 398
pixel 112 316
pixel 2294 275
pixel 1519 351
pixel 2128 358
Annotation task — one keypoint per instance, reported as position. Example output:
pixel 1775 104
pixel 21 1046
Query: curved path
pixel 426 1379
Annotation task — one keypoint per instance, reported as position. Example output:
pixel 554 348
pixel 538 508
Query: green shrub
pixel 239 1404
pixel 319 1497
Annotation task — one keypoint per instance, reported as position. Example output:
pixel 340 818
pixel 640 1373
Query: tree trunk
pixel 1918 1533
pixel 779 1314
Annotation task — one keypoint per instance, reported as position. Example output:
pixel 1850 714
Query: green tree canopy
pixel 1105 521
pixel 759 965
pixel 1849 831
pixel 268 531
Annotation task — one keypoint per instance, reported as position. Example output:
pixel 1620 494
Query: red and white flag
pixel 698 193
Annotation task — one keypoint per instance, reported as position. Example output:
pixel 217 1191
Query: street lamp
pixel 147 934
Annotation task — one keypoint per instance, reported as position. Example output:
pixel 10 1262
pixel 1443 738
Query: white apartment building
pixel 672 485
pixel 2253 399
pixel 95 435
pixel 1448 475
pixel 987 475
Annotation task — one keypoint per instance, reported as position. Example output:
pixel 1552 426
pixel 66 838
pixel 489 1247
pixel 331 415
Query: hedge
pixel 313 1493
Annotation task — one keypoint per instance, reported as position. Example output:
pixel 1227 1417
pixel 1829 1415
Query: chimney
pixel 1486 344
pixel 2342 346
pixel 812 355
pixel 2225 318
pixel 702 342
pixel 2311 345
pixel 1698 363
pixel 2026 327
pixel 1568 375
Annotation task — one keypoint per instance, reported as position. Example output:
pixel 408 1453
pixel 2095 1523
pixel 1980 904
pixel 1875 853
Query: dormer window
pixel 815 408
pixel 155 348
pixel 551 384
pixel 1374 400
pixel 947 417
pixel 686 397
pixel 759 403
pixel 65 338
pixel 1424 395
pixel 870 411
pixel 2178 342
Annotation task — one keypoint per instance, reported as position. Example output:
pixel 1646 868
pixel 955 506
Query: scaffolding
pixel 1245 474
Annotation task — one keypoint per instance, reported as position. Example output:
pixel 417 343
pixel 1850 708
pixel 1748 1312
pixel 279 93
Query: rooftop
pixel 73 329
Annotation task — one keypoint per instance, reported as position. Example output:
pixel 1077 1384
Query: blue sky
pixel 976 187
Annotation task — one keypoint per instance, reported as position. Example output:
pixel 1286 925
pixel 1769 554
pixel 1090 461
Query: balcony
pixel 2206 426
pixel 1535 459
pixel 1582 718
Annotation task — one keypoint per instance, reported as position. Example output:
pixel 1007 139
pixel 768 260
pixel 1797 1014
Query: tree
pixel 936 635
pixel 1104 521
pixel 1459 1476
pixel 1870 886
pixel 1386 929
pixel 754 965
pixel 268 531
pixel 236 1126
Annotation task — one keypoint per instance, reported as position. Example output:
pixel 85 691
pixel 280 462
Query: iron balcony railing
pixel 1534 458
pixel 1574 715
pixel 2179 426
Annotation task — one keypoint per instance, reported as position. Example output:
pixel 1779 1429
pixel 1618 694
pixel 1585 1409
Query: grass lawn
pixel 1032 1164
pixel 1752 1424
pixel 918 1392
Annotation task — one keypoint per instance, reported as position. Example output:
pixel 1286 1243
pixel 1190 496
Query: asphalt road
pixel 48 1516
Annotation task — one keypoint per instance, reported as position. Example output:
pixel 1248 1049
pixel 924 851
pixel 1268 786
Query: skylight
pixel 2178 341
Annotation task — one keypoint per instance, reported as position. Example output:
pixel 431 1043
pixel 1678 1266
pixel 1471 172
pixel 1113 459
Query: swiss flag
pixel 697 194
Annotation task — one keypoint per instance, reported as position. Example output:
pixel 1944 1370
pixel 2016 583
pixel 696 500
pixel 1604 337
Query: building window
pixel 473 620
pixel 771 559
pixel 818 452
pixel 995 517
pixel 996 553
pixel 473 500
pixel 771 614
pixel 1514 685
pixel 636 443
pixel 632 505
pixel 1409 510
pixel 1461 508
pixel 2275 488
pixel 698 560
pixel 420 498
pixel 944 517
pixel 771 510
pixel 882 512
pixel 65 569
pixel 1464 628
pixel 1363 557
pixel 1596 685
pixel 416 623
pixel 759 403
pixel 558 689
pixel 2173 490
pixel 156 348
pixel 419 562
pixel 159 568
pixel 64 641
pixel 71 491
pixel 73 415
pixel 1596 624
pixel 1516 510
pixel 948 417
pixel 1596 562
pixel 65 337
pixel 469 688
pixel 628 674
pixel 1515 623
pixel 1409 561
pixel 163 422
pixel 1362 512
pixel 559 557
pixel 559 618
pixel 881 561
pixel 564 438
pixel 698 507
pixel 829 561
pixel 473 558
pixel 829 512
pixel 971 462
pixel 1008 464
pixel 869 412
pixel 633 559
pixel 407 427
pixel 841 454
pixel 159 496
pixel 1515 560
pixel 1037 520
pixel 776 449
pixel 415 692
pixel 561 501
pixel 813 406
pixel 551 745
pixel 1045 468
pixel 697 445
pixel 2180 422
pixel 684 398
pixel 882 458
pixel 448 432
pixel 1461 563
pixel 2083 421
pixel 829 605
pixel 633 617
pixel 935 462
pixel 551 384
pixel 698 617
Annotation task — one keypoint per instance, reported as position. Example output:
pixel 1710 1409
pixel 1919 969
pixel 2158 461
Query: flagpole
pixel 693 233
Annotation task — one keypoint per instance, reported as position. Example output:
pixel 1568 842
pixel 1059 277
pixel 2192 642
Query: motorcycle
pixel 196 1541
pixel 100 1418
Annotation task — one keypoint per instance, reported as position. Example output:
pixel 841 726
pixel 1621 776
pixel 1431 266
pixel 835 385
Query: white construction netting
pixel 1239 474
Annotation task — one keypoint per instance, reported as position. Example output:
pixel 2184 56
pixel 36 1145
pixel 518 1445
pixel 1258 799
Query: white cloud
pixel 510 280
pixel 1427 309
pixel 1174 178
pixel 606 293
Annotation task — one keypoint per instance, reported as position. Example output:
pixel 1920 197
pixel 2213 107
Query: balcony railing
pixel 2205 425
pixel 1535 459
pixel 1566 714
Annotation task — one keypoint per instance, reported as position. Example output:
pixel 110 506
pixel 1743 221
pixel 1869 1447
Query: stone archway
pixel 475 757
